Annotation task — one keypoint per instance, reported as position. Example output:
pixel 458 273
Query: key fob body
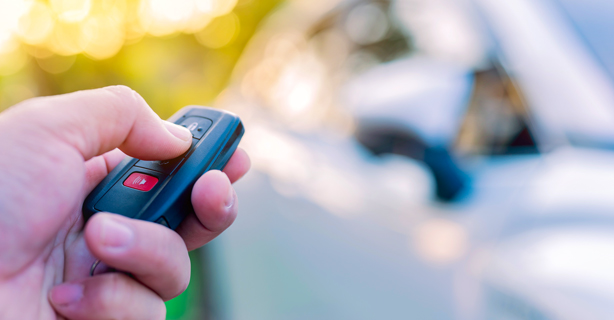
pixel 160 191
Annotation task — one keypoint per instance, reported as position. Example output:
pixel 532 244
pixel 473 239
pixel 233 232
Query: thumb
pixel 96 121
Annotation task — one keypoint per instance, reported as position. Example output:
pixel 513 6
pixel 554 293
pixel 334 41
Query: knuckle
pixel 177 272
pixel 114 292
pixel 160 261
pixel 125 99
pixel 117 292
pixel 121 91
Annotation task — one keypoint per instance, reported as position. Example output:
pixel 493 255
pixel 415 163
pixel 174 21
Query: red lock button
pixel 140 181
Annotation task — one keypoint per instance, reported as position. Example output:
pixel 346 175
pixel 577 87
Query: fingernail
pixel 115 234
pixel 230 198
pixel 178 131
pixel 67 293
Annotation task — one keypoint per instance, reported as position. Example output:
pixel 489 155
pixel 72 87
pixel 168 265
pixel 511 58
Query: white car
pixel 329 231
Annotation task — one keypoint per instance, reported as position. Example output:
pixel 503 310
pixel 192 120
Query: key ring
pixel 96 264
pixel 93 268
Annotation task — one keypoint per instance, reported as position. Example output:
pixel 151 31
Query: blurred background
pixel 412 159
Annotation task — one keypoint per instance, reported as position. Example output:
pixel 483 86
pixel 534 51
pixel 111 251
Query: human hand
pixel 54 151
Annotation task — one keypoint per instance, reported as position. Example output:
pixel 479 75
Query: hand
pixel 53 152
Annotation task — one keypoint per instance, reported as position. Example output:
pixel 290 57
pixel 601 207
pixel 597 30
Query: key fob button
pixel 197 125
pixel 140 181
pixel 160 191
pixel 128 196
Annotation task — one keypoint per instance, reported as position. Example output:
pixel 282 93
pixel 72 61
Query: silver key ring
pixel 96 264
pixel 93 268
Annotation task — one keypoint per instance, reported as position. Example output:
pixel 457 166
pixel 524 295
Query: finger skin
pixel 153 254
pixel 97 121
pixel 107 296
pixel 210 197
pixel 99 167
pixel 237 166
pixel 215 205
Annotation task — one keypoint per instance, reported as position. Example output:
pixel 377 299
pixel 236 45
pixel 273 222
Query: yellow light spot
pixel 171 10
pixel 216 7
pixel 38 52
pixel 220 32
pixel 198 22
pixel 100 28
pixel 66 39
pixel 103 35
pixel 10 13
pixel 225 7
pixel 36 25
pixel 8 43
pixel 205 6
pixel 71 10
pixel 164 17
pixel 134 29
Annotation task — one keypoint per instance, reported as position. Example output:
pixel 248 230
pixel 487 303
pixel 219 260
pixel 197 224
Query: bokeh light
pixel 173 53
pixel 100 28
pixel 71 10
pixel 36 25
pixel 10 13
pixel 220 32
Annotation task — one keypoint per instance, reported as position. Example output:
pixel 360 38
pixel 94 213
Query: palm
pixel 66 257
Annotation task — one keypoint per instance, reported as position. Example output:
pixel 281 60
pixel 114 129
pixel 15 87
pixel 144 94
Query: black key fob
pixel 160 191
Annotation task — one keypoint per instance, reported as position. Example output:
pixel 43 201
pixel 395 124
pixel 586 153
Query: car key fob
pixel 160 191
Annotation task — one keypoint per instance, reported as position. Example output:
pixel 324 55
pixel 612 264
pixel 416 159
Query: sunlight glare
pixel 103 35
pixel 100 28
pixel 10 13
pixel 71 10
pixel 172 10
pixel 36 25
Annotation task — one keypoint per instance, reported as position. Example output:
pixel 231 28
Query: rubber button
pixel 197 125
pixel 123 199
pixel 140 181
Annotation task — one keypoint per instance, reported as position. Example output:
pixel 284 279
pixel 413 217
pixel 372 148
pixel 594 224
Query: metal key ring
pixel 93 268
pixel 96 264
